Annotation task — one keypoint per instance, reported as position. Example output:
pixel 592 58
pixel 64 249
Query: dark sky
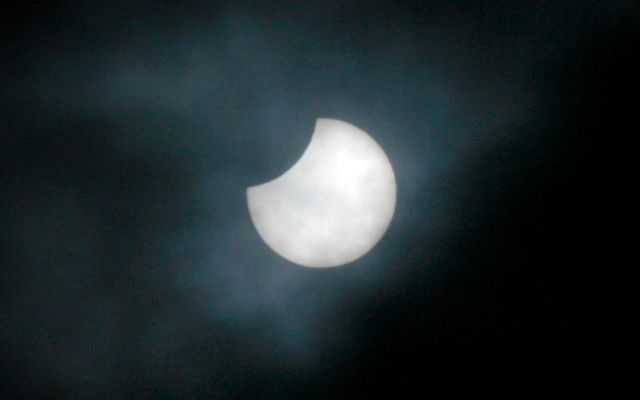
pixel 130 268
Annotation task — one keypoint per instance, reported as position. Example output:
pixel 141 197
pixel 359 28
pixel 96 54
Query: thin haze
pixel 129 228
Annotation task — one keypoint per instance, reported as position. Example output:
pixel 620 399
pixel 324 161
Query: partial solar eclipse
pixel 333 205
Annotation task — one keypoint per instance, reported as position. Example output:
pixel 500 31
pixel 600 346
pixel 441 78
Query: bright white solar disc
pixel 333 205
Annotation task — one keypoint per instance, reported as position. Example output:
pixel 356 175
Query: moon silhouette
pixel 333 205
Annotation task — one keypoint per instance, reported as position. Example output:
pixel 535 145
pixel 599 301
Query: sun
pixel 333 205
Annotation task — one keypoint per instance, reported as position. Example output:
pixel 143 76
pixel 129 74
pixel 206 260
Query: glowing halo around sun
pixel 333 205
